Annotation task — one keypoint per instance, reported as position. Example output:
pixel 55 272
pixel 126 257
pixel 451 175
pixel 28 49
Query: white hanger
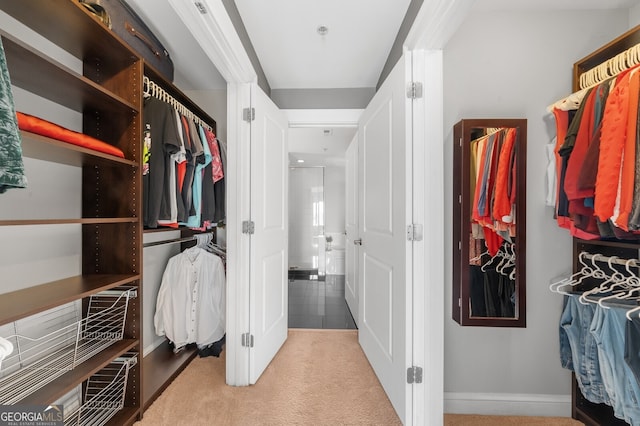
pixel 586 269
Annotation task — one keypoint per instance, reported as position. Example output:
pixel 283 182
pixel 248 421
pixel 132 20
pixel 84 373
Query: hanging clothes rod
pixel 599 74
pixel 609 259
pixel 150 88
pixel 173 241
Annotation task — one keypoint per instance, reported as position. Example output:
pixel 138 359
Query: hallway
pixel 319 304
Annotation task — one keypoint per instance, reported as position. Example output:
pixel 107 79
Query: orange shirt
pixel 629 157
pixel 614 135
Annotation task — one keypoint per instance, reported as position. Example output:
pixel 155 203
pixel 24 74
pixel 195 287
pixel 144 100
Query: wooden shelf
pixel 70 26
pixel 65 383
pixel 126 416
pixel 36 73
pixel 161 367
pixel 48 149
pixel 23 303
pixel 87 221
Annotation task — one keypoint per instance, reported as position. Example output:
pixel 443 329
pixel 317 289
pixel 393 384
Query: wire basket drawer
pixel 104 394
pixel 41 355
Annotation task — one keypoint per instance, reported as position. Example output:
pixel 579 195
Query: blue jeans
pixel 632 347
pixel 609 329
pixel 574 325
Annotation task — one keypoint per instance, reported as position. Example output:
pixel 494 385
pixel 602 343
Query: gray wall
pixel 396 50
pixel 233 13
pixel 514 64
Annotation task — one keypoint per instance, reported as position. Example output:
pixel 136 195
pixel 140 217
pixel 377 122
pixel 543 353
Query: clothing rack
pixel 150 88
pixel 610 259
pixel 175 240
pixel 606 70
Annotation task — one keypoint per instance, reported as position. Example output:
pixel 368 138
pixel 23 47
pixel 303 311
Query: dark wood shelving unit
pixel 71 89
pixel 162 366
pixel 108 94
pixel 23 303
pixel 50 393
pixel 582 409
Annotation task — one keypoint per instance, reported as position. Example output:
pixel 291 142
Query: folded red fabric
pixel 42 127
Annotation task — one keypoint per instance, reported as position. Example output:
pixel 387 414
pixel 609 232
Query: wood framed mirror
pixel 489 228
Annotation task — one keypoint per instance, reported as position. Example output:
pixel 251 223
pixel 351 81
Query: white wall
pixel 334 198
pixel 514 64
pixel 634 16
pixel 214 103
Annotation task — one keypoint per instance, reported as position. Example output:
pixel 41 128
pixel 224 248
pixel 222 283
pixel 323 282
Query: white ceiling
pixel 294 56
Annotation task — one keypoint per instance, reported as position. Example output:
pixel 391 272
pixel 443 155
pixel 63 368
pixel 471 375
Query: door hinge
pixel 414 90
pixel 414 232
pixel 414 375
pixel 249 114
pixel 248 227
pixel 247 340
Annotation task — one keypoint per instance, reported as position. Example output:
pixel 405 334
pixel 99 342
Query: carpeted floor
pixel 319 377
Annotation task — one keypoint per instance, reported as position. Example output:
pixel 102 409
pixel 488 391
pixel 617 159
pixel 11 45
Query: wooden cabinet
pixel 108 95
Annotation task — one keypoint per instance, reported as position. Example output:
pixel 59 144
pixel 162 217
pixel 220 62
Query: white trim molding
pixel 323 117
pixel 507 404
pixel 217 37
pixel 436 22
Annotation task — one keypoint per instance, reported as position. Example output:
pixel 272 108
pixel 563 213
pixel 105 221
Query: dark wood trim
pixel 65 383
pixel 23 303
pixel 161 367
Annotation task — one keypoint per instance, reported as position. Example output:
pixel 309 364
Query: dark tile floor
pixel 319 304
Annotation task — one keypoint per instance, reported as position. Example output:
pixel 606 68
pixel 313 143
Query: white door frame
pixel 437 20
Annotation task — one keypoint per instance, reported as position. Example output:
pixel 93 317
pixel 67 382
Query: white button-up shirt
pixel 191 302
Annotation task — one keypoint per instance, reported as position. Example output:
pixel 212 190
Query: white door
pixel 351 222
pixel 268 284
pixel 385 308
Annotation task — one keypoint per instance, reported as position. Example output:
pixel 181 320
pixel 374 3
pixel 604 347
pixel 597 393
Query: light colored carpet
pixel 319 377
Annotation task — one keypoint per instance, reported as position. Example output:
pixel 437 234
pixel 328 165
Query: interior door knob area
pixel 358 242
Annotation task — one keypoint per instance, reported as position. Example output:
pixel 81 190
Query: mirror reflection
pixel 492 236
pixel 489 227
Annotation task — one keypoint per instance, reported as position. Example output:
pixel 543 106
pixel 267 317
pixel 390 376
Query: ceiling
pixel 293 54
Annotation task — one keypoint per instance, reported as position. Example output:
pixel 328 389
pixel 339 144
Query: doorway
pixel 317 211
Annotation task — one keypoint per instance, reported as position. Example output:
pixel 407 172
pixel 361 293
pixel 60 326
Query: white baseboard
pixel 507 404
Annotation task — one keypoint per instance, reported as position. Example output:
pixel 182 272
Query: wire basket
pixel 41 356
pixel 104 394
